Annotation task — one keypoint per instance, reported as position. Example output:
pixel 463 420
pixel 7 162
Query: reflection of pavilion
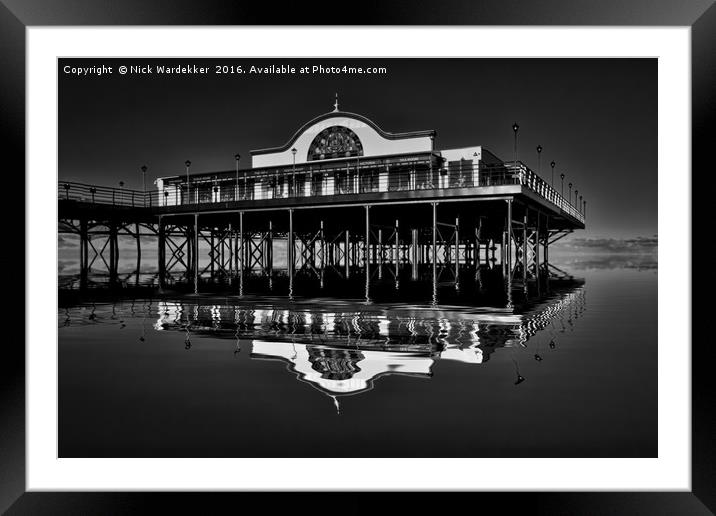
pixel 342 371
pixel 344 352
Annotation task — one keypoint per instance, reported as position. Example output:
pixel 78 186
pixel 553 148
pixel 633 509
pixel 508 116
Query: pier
pixel 342 198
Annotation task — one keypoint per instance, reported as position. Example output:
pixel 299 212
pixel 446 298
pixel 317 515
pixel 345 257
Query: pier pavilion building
pixel 342 193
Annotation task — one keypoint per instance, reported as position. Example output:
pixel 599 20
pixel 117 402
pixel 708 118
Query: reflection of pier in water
pixel 341 348
pixel 468 283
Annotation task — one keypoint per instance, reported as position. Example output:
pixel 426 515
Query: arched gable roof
pixel 361 118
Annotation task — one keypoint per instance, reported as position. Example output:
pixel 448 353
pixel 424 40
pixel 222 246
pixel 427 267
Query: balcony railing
pixel 265 184
pixel 534 182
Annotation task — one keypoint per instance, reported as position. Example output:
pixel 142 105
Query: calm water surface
pixel 568 372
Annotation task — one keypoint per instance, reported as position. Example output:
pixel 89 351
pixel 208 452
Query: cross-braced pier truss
pixel 418 234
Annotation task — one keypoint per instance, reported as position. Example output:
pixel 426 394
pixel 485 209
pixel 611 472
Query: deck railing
pixel 534 182
pixel 104 195
pixel 267 184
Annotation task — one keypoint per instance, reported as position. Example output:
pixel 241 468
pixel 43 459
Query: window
pixel 204 192
pixel 227 191
pixel 399 179
pixel 335 142
pixel 343 182
pixel 369 180
pixel 460 173
pixel 317 184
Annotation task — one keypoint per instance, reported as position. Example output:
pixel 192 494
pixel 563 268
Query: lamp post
pixel 67 191
pixel 237 157
pixel 539 160
pixel 515 128
pixel 576 193
pixel 552 165
pixel 580 202
pixel 293 173
pixel 584 209
pixel 570 193
pixel 187 164
pixel 561 176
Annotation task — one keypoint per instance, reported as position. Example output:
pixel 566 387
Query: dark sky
pixel 597 118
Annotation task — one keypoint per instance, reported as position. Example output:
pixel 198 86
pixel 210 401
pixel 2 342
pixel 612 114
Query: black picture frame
pixel 17 15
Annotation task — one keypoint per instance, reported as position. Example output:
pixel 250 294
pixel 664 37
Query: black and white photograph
pixel 418 252
pixel 357 257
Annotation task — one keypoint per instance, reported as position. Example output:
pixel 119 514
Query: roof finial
pixel 335 105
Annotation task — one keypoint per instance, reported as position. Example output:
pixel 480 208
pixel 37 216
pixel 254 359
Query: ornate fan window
pixel 335 142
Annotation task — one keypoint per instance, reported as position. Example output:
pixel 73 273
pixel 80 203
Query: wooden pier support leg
pixel 397 254
pixel 414 253
pixel 110 244
pixel 222 245
pixel 447 258
pixel 161 252
pixel 525 257
pixel 230 248
pixel 457 253
pixel 189 232
pixel 240 266
pixel 116 251
pixel 355 255
pixel 434 253
pixel 366 253
pixel 396 251
pixel 366 248
pixel 347 253
pixel 84 253
pixel 269 250
pixel 508 242
pixel 546 243
pixel 290 244
pixel 212 252
pixel 536 248
pixel 380 254
pixel 139 252
pixel 235 253
pixel 113 248
pixel 195 253
pixel 290 252
pixel 322 246
pixel 503 253
pixel 476 258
